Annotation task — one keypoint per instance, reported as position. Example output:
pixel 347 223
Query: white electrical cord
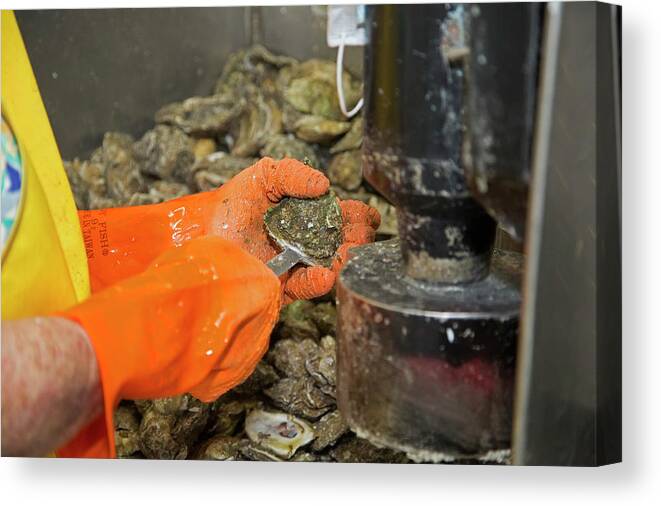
pixel 338 81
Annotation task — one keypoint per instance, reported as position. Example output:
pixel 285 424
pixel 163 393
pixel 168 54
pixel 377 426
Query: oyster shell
pixel 254 451
pixel 202 116
pixel 357 450
pixel 219 447
pixel 85 177
pixel 387 211
pixel 288 146
pixel 167 190
pixel 160 191
pixel 279 433
pixel 170 426
pixel 353 139
pixel 289 117
pixel 290 356
pixel 322 366
pixel 296 321
pixel 156 439
pixel 169 405
pixel 260 120
pixel 312 226
pixel 310 88
pixel 227 416
pixel 262 377
pixel 216 169
pixel 165 152
pixel 191 421
pixel 346 170
pixel 319 129
pixel 122 171
pixel 300 396
pixel 126 420
pixel 255 65
pixel 328 430
pixel 324 316
pixel 203 147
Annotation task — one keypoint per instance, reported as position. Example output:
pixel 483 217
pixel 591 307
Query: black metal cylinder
pixel 413 140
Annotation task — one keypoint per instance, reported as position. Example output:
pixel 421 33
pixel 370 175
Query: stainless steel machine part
pixel 428 370
pixel 427 324
pixel 569 391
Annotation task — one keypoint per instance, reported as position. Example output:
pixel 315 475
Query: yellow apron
pixel 44 267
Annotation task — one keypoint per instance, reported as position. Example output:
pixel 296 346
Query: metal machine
pixel 460 103
pixel 483 122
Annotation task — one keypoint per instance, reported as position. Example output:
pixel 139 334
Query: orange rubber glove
pixel 197 320
pixel 121 242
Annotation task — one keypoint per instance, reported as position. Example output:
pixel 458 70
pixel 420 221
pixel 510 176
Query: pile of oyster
pixel 285 411
pixel 262 105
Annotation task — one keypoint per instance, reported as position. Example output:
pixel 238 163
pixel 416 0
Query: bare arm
pixel 50 384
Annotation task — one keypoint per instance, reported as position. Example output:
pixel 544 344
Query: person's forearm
pixel 50 384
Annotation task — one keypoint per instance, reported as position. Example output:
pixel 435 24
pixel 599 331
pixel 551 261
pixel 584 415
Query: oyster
pixel 261 119
pixel 353 139
pixel 324 316
pixel 96 201
pixel 388 215
pixel 127 423
pixel 300 396
pixel 143 199
pixel 357 450
pixel 169 405
pixel 254 451
pixel 219 447
pixel 122 171
pixel 305 457
pixel 216 169
pixel 322 366
pixel 310 87
pixel 203 147
pixel 167 190
pixel 255 65
pixel 227 416
pixel 156 439
pixel 290 356
pixel 279 433
pixel 262 377
pixel 312 226
pixel 202 116
pixel 296 321
pixel 319 129
pixel 289 117
pixel 288 146
pixel 346 170
pixel 387 211
pixel 165 152
pixel 191 421
pixel 85 178
pixel 170 426
pixel 328 430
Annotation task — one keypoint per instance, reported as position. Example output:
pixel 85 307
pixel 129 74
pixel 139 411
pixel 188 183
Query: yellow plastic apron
pixel 44 267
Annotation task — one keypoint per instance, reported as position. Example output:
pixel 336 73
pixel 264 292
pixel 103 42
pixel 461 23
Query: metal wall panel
pixel 111 69
pixel 568 404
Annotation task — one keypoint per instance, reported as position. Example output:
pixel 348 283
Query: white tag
pixel 346 25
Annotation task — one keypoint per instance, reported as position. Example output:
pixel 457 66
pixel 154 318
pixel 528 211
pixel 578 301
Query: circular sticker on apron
pixel 12 183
